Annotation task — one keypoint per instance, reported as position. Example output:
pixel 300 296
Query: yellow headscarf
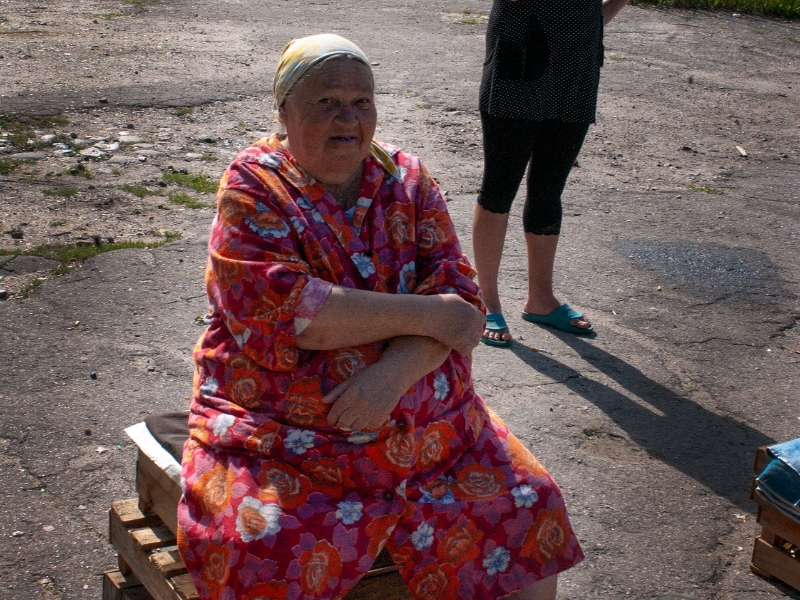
pixel 302 54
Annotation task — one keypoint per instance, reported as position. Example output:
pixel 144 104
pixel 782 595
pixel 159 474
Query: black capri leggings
pixel 549 149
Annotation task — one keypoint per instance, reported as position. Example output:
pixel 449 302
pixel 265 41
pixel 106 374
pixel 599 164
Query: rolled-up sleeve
pixel 257 280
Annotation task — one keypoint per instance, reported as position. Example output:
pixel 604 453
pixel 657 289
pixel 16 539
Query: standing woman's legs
pixel 488 237
pixel 556 147
pixel 507 146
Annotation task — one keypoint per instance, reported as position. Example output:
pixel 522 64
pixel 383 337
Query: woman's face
pixel 330 119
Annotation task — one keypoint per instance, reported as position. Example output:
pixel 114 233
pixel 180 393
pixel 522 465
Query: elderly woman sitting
pixel 334 413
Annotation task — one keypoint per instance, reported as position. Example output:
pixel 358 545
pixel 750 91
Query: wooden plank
pixel 114 582
pixel 775 521
pixel 760 572
pixel 118 586
pixel 157 491
pixel 127 511
pixel 168 562
pixel 184 586
pixel 777 563
pixel 384 587
pixel 770 536
pixel 762 460
pixel 150 538
pixel 123 567
pixel 126 544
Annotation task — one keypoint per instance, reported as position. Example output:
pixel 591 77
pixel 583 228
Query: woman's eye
pixel 325 100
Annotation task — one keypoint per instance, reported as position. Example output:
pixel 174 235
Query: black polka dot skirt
pixel 543 60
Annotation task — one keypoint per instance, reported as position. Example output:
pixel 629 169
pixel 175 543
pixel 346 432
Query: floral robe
pixel 278 504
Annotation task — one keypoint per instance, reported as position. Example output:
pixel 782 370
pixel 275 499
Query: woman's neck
pixel 346 193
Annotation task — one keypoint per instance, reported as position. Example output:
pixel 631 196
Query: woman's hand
pixel 455 323
pixel 365 401
pixel 611 8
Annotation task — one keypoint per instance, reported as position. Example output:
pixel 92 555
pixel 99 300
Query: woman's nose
pixel 347 114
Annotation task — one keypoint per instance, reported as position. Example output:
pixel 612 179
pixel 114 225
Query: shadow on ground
pixel 714 450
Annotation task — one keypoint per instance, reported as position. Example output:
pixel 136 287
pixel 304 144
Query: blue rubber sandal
pixel 495 322
pixel 560 319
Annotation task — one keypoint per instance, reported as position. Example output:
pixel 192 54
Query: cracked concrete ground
pixel 683 252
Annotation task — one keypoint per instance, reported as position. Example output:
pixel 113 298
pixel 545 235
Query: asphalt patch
pixel 710 270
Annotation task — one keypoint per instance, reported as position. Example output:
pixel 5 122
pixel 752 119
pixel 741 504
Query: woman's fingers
pixel 344 411
pixel 362 402
pixel 338 409
pixel 334 394
pixel 342 420
pixel 357 415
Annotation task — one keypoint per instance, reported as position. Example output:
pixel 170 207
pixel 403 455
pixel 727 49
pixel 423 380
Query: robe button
pixel 388 495
pixel 401 424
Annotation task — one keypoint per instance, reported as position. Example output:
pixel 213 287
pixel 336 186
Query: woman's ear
pixel 282 113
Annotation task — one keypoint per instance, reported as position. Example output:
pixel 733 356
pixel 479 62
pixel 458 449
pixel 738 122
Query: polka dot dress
pixel 543 60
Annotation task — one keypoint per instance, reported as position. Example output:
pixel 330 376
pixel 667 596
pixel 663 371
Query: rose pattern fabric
pixel 278 504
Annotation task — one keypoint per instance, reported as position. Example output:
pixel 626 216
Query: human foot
pixel 496 332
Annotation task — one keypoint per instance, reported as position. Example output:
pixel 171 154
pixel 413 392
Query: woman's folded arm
pixel 353 317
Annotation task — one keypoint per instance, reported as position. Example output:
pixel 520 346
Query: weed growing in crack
pixel 137 190
pixel 29 288
pixel 64 192
pixel 8 165
pixel 71 256
pixel 186 200
pixel 199 183
pixel 706 189
pixel 19 131
pixel 591 433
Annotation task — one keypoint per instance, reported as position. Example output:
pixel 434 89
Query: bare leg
pixel 488 238
pixel 541 256
pixel 544 589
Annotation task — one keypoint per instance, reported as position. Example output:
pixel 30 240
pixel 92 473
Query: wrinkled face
pixel 330 119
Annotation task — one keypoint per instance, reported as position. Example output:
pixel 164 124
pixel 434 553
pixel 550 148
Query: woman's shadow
pixel 714 450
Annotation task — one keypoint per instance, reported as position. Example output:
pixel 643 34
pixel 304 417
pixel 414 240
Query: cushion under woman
pixel 334 412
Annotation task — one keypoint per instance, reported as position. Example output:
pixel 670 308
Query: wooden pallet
pixel 776 552
pixel 148 550
pixel 143 532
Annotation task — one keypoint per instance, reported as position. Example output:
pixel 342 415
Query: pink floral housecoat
pixel 277 504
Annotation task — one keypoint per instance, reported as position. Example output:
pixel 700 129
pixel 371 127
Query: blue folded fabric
pixel 779 482
pixel 788 452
